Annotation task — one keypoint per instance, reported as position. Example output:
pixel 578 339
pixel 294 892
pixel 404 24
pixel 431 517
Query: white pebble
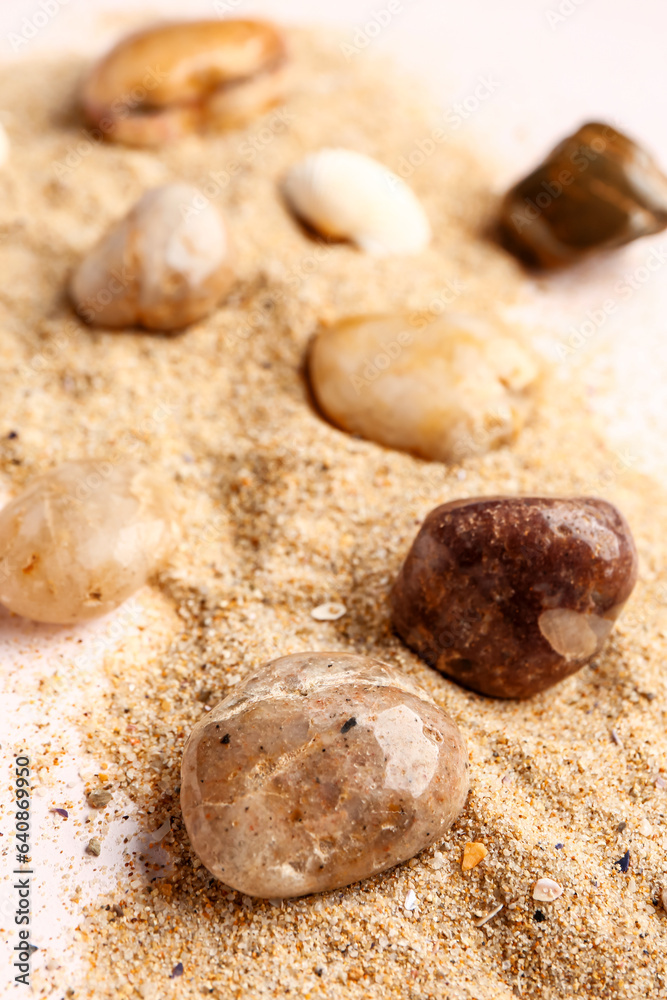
pixel 346 195
pixel 546 890
pixel 329 612
pixel 410 901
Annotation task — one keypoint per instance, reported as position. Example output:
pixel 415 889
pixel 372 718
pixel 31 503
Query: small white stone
pixel 410 901
pixel 645 828
pixel 329 612
pixel 346 195
pixel 546 890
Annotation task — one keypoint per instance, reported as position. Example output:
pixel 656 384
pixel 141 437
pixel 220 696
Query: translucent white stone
pixel 80 540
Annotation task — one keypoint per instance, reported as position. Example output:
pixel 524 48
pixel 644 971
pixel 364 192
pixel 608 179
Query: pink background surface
pixel 554 63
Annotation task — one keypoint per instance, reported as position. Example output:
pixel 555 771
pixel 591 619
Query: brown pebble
pixel 596 190
pixel 93 847
pixel 99 798
pixel 509 595
pixel 336 767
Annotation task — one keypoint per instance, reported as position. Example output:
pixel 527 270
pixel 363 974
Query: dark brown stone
pixel 509 595
pixel 596 190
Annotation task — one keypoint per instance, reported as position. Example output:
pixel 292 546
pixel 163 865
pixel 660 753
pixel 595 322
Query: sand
pixel 281 512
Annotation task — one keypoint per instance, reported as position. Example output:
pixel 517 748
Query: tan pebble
pixel 443 389
pixel 165 265
pixel 473 853
pixel 80 540
pixel 166 81
pixel 93 846
pixel 99 798
pixel 546 890
pixel 319 770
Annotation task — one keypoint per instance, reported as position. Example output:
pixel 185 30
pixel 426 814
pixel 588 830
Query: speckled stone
pixel 509 595
pixel 319 770
pixel 596 190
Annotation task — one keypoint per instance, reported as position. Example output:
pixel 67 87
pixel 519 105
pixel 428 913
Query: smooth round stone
pixel 166 264
pixel 596 190
pixel 444 389
pixel 320 769
pixel 80 540
pixel 509 595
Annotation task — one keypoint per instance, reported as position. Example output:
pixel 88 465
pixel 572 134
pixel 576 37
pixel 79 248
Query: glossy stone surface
pixel 171 79
pixel 509 595
pixel 318 770
pixel 80 540
pixel 441 389
pixel 596 190
pixel 166 264
pixel 348 196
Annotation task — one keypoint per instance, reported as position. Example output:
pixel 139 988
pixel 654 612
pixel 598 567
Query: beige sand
pixel 282 512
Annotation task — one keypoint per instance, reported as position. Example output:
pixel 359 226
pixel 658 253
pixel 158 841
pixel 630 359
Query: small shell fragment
pixel 546 890
pixel 166 81
pixel 164 266
pixel 410 901
pixel 473 853
pixel 492 913
pixel 330 612
pixel 346 195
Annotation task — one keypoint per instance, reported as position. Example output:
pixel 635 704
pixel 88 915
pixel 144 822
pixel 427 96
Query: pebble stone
pixel 509 595
pixel 320 769
pixel 99 798
pixel 546 890
pixel 473 853
pixel 441 388
pixel 166 264
pixel 160 84
pixel 80 540
pixel 596 190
